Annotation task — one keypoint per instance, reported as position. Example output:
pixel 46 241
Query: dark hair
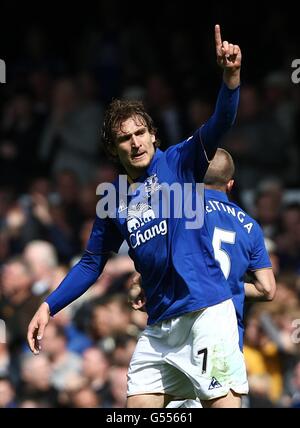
pixel 117 112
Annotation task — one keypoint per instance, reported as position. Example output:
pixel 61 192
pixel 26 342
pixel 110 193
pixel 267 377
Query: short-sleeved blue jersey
pixel 238 245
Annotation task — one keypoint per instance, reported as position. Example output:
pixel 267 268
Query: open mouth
pixel 138 156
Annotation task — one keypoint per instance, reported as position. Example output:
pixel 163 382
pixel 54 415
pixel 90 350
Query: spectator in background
pixel 77 338
pixel 256 129
pixel 7 394
pixel 4 356
pixel 85 398
pixel 288 239
pixel 287 294
pixel 36 382
pixel 40 83
pixel 281 107
pixel 42 259
pixel 272 251
pixel 198 112
pixel 262 360
pixel 124 348
pixel 68 189
pixel 87 201
pixel 295 402
pixel 111 318
pixel 63 362
pixel 164 110
pixel 52 219
pixel 106 172
pixel 95 367
pixel 29 402
pixel 39 217
pixel 71 137
pixel 20 132
pixel 4 246
pixel 17 304
pixel 267 213
pixel 118 386
pixel 74 382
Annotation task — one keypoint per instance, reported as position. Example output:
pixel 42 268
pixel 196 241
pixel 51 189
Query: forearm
pixel 252 292
pixel 221 120
pixel 79 279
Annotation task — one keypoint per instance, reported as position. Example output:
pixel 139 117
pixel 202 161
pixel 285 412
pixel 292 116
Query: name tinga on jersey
pixel 240 215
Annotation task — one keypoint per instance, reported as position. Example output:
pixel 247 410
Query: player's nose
pixel 135 142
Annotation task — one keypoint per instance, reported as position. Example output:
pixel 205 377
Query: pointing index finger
pixel 218 38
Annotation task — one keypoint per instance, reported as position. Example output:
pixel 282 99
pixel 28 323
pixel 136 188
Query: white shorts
pixel 184 404
pixel 194 355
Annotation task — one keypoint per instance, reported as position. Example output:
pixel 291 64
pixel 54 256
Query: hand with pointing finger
pixel 36 328
pixel 229 57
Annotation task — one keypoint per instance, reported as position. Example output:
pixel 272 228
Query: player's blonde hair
pixel 221 169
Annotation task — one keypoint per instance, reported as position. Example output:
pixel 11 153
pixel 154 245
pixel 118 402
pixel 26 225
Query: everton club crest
pixel 151 185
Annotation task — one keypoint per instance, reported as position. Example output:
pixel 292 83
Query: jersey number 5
pixel 219 236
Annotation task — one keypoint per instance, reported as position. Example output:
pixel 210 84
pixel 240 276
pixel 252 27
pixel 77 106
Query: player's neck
pixel 213 187
pixel 133 178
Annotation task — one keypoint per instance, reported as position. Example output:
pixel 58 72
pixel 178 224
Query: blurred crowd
pixel 51 162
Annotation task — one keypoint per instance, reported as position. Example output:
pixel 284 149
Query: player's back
pixel 237 242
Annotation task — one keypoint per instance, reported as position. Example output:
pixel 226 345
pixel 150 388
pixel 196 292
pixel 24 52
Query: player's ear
pixel 230 185
pixel 153 138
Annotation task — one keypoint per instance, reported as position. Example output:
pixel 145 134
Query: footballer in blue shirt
pixel 238 245
pixel 237 239
pixel 190 347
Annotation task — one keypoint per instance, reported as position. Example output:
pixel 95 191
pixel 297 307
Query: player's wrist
pixel 46 305
pixel 232 78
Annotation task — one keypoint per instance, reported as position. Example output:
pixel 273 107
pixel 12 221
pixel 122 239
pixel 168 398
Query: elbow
pixel 270 292
pixel 269 297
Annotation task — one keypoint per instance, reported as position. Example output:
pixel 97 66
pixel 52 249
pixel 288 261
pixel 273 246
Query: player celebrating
pixel 237 241
pixel 190 346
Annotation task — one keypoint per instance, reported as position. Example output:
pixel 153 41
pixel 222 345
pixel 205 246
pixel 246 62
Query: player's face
pixel 134 146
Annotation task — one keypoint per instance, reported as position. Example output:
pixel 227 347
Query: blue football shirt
pixel 177 264
pixel 238 245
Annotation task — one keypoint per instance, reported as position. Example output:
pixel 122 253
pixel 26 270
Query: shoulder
pixel 177 148
pixel 256 227
pixel 247 223
pixel 253 229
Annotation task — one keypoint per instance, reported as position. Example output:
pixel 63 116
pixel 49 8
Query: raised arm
pixel 190 158
pixel 229 58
